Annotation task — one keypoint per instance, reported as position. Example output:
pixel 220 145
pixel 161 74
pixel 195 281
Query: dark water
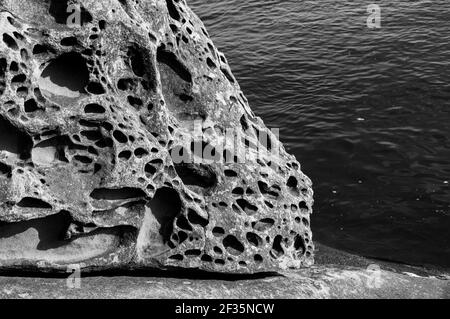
pixel 366 112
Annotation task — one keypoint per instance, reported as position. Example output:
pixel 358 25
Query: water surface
pixel 365 111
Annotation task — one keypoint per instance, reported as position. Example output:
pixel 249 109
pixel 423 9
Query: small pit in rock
pixel 64 78
pixel 165 206
pixel 14 143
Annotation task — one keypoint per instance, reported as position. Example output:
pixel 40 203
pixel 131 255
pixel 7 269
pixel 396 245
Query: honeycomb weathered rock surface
pixel 115 146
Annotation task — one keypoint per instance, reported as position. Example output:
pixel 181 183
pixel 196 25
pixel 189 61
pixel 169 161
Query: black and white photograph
pixel 218 157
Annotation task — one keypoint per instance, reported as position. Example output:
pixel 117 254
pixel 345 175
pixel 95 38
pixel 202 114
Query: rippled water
pixel 365 111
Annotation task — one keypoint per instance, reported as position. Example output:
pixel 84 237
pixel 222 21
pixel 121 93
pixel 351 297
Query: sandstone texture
pixel 114 146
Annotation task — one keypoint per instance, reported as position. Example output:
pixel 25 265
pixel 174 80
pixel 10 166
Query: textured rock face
pixel 115 146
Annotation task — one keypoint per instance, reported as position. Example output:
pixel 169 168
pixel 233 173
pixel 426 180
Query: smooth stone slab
pixel 341 280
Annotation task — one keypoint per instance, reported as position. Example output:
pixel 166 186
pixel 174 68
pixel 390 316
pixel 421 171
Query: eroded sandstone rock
pixel 114 146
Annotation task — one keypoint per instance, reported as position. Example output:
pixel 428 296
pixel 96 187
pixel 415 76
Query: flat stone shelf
pixel 336 275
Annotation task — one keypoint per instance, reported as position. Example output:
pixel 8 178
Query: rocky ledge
pixel 335 275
